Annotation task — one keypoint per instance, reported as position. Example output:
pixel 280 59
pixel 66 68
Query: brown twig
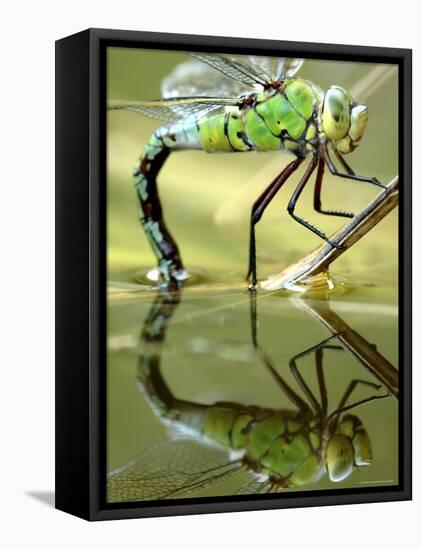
pixel 355 344
pixel 318 260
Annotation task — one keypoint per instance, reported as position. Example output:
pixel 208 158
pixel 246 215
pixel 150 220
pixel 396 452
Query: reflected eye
pixel 336 113
pixel 340 458
pixel 362 447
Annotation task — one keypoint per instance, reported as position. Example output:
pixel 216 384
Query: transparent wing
pixel 275 68
pixel 196 88
pixel 226 76
pixel 236 68
pixel 177 109
pixel 258 486
pixel 254 486
pixel 170 469
pixel 194 78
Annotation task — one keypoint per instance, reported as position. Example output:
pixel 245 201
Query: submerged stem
pixel 354 343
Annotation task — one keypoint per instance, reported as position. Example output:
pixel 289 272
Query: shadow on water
pixel 266 449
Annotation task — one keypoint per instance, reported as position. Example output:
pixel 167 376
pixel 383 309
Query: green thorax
pixel 280 119
pixel 282 444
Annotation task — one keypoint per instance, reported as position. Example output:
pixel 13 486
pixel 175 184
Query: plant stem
pixel 318 260
pixel 352 342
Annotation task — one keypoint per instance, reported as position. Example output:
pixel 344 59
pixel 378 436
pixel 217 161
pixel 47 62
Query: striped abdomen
pixel 156 151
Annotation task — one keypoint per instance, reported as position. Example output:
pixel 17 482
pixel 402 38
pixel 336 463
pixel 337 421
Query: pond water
pixel 205 354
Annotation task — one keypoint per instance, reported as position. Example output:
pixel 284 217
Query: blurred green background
pixel 207 201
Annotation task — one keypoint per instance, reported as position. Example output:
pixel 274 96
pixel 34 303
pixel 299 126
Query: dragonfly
pixel 225 103
pixel 278 448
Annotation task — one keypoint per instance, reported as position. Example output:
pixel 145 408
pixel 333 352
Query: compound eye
pixel 359 121
pixel 336 113
pixel 340 458
pixel 362 447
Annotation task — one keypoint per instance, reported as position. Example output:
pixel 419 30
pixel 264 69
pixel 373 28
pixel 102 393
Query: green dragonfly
pixel 280 448
pixel 222 103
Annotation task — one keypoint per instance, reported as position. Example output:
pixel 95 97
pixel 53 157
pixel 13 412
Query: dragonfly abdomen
pixel 224 132
pixel 156 151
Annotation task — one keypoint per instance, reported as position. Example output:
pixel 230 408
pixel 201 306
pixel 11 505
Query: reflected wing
pixel 170 469
pixel 252 487
pixel 257 486
pixel 177 109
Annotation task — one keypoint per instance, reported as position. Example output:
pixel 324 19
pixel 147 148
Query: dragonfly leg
pixel 319 365
pixel 292 204
pixel 284 386
pixel 350 389
pixel 253 317
pixel 318 350
pixel 317 194
pixel 349 174
pixel 342 407
pixel 321 345
pixel 342 161
pixel 258 209
pixel 304 386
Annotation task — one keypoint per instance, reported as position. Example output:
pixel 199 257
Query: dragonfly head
pixel 350 446
pixel 344 121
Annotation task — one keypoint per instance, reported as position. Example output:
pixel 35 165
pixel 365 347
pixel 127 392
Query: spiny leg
pixel 342 407
pixel 304 386
pixel 317 194
pixel 350 389
pixel 253 318
pixel 321 345
pixel 292 203
pixel 285 387
pixel 321 381
pixel 317 349
pixel 258 209
pixel 350 173
pixel 346 166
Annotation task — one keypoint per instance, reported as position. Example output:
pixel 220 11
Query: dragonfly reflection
pixel 278 448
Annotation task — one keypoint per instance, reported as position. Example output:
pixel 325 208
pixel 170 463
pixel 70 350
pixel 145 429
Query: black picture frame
pixel 81 272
